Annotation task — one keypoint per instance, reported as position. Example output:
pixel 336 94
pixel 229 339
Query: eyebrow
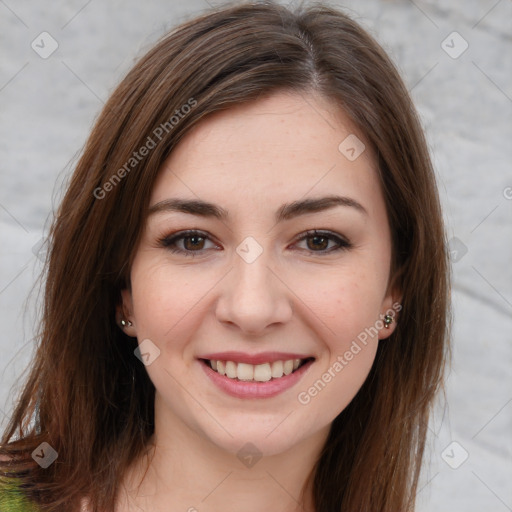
pixel 286 212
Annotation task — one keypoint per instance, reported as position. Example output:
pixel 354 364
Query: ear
pixel 391 306
pixel 124 311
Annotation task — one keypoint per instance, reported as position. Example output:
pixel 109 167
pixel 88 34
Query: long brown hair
pixel 91 399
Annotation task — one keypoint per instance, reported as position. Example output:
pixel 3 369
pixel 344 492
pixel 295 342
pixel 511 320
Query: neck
pixel 184 471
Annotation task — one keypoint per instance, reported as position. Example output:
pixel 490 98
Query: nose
pixel 254 296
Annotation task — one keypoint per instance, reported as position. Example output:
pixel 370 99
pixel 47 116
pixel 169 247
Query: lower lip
pixel 243 389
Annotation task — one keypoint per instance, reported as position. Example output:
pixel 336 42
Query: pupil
pixel 194 239
pixel 316 239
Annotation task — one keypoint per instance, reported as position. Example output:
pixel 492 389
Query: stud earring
pixel 125 323
pixel 388 320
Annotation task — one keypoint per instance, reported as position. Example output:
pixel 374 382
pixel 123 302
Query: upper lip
pixel 262 357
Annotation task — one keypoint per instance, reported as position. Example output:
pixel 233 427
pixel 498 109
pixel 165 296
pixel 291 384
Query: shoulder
pixel 12 498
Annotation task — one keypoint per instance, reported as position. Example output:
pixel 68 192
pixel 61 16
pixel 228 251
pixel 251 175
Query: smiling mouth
pixel 264 372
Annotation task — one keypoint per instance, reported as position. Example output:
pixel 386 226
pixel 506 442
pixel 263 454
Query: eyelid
pixel 169 241
pixel 343 242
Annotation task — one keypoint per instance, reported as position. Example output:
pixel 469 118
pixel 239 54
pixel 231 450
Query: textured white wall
pixel 465 101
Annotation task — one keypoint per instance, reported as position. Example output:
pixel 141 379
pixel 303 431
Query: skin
pixel 297 296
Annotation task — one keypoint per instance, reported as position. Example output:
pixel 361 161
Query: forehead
pixel 278 148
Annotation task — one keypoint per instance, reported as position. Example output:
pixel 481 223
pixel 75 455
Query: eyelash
pixel 169 242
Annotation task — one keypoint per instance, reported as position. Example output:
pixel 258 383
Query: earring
pixel 125 323
pixel 388 320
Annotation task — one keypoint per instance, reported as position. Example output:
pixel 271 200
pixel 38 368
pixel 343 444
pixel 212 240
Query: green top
pixel 12 498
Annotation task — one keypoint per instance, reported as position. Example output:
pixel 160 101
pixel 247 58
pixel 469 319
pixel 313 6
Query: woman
pixel 246 297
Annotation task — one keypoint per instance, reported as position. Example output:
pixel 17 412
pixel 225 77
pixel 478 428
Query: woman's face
pixel 253 291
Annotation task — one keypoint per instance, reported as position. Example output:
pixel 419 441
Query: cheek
pixel 347 305
pixel 160 299
pixel 346 301
pixel 167 302
pixel 326 394
pixel 348 354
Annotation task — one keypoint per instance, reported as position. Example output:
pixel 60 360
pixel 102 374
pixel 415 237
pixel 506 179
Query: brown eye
pixel 193 242
pixel 318 242
pixel 188 243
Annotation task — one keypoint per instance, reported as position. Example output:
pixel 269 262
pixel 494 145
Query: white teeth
pixel 277 369
pixel 245 371
pixel 288 367
pixel 231 369
pixel 259 372
pixel 262 372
